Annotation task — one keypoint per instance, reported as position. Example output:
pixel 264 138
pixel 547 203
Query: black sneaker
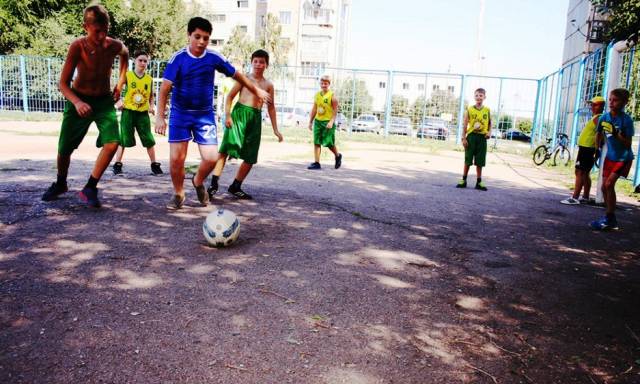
pixel 54 191
pixel 176 202
pixel 338 161
pixel 90 197
pixel 203 197
pixel 155 168
pixel 239 193
pixel 213 189
pixel 462 184
pixel 315 165
pixel 117 168
pixel 480 185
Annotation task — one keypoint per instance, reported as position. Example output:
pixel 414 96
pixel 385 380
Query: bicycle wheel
pixel 562 156
pixel 540 155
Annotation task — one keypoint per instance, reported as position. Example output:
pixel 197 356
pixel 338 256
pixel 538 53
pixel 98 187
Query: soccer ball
pixel 221 228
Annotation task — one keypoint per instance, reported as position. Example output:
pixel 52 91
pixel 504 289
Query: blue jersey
pixel 616 151
pixel 192 79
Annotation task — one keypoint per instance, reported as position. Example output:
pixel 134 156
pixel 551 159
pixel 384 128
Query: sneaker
pixel 155 168
pixel 315 165
pixel 480 186
pixel 117 168
pixel 213 188
pixel 582 200
pixel 203 197
pixel 570 201
pixel 604 224
pixel 239 193
pixel 338 161
pixel 176 202
pixel 54 191
pixel 462 184
pixel 90 197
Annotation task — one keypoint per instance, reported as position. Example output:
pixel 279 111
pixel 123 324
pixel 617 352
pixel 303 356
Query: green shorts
pixel 322 135
pixel 242 140
pixel 139 121
pixel 476 150
pixel 74 127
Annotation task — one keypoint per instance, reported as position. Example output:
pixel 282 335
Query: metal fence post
pixel 23 79
pixel 1 84
pixel 49 82
pixel 543 110
pixel 631 53
pixel 557 111
pixel 534 125
pixel 353 98
pixel 387 112
pixel 461 109
pixel 576 109
pixel 607 67
pixel 566 105
pixel 499 112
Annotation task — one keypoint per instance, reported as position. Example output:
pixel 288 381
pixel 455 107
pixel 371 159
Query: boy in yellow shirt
pixel 323 116
pixel 476 131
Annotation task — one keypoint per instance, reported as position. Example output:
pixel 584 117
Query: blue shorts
pixel 199 126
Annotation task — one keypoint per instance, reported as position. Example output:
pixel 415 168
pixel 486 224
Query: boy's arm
pixel 260 93
pixel 124 66
pixel 464 128
pixel 152 107
pixel 70 63
pixel 271 109
pixel 625 133
pixel 312 115
pixel 227 103
pixel 161 124
pixel 334 106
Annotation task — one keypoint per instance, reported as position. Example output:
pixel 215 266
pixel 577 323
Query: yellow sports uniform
pixel 478 120
pixel 138 92
pixel 324 109
pixel 588 135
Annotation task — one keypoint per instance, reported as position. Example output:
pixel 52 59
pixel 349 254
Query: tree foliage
pixel 358 102
pixel 623 21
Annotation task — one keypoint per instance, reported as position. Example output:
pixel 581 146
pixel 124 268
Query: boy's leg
pixel 586 184
pixel 480 155
pixel 317 149
pixel 217 171
pixel 608 188
pixel 208 157
pixel 578 184
pixel 243 171
pixel 177 156
pixel 119 154
pixel 151 151
pixel 236 187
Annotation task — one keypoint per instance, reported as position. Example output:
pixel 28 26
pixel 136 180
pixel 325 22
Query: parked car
pixel 512 134
pixel 289 116
pixel 341 122
pixel 400 126
pixel 433 128
pixel 496 133
pixel 366 123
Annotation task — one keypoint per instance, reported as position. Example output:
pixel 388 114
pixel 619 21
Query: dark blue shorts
pixel 199 126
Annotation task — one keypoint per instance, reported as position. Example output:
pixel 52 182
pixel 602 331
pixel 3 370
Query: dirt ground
pixel 380 272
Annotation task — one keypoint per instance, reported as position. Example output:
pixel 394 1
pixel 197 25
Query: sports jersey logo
pixel 137 98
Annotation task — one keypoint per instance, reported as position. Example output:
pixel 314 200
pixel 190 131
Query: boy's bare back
pixel 249 99
pixel 93 64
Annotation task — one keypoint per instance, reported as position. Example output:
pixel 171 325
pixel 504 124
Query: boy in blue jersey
pixel 190 75
pixel 616 127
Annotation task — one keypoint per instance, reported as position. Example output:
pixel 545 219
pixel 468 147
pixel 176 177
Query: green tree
pixel 624 19
pixel 525 126
pixel 357 103
pixel 239 47
pixel 399 106
pixel 505 122
pixel 271 40
pixel 418 110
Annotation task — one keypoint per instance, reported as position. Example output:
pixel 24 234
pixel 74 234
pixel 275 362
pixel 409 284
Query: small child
pixel 89 99
pixel 476 131
pixel 244 126
pixel 189 77
pixel 617 128
pixel 138 103
pixel 323 116
pixel 586 155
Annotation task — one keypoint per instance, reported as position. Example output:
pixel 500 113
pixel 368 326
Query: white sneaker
pixel 570 201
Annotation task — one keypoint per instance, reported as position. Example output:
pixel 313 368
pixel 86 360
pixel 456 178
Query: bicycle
pixel 560 152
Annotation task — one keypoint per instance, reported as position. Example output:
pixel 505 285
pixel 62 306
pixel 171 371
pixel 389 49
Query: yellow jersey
pixel 588 135
pixel 324 108
pixel 138 92
pixel 478 120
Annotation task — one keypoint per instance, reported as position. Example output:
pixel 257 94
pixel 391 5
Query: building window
pixel 310 68
pixel 451 88
pixel 436 87
pixel 243 3
pixel 382 85
pixel 243 28
pixel 405 86
pixel 216 42
pixel 420 87
pixel 218 18
pixel 281 96
pixel 285 17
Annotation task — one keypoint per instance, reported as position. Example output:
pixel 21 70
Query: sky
pixel 521 38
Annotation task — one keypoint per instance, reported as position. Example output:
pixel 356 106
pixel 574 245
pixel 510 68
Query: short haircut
pixel 96 14
pixel 621 93
pixel 480 90
pixel 326 78
pixel 199 22
pixel 261 53
pixel 140 53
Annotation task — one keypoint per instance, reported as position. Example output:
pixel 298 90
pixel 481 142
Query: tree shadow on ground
pixel 388 275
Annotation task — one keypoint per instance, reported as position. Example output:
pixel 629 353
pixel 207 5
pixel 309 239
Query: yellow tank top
pixel 323 106
pixel 478 120
pixel 138 92
pixel 588 135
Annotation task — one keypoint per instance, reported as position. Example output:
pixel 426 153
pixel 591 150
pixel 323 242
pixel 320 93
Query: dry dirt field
pixel 379 272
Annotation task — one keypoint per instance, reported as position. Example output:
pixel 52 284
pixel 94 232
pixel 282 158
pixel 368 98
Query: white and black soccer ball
pixel 221 228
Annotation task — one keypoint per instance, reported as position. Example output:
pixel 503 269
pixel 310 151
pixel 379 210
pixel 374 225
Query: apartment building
pixel 584 30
